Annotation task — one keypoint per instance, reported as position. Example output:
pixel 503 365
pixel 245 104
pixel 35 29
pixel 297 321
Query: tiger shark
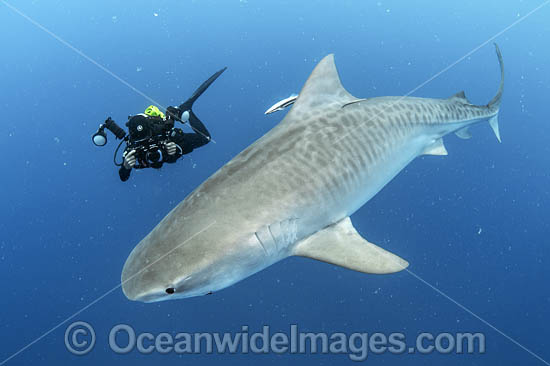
pixel 291 193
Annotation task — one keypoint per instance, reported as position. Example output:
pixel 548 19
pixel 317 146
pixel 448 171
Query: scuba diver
pixel 152 139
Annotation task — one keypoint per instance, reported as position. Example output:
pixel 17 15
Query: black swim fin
pixel 188 104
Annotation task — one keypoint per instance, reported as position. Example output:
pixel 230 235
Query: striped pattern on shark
pixel 292 191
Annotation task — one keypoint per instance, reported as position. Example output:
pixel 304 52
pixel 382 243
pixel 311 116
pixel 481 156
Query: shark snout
pixel 175 264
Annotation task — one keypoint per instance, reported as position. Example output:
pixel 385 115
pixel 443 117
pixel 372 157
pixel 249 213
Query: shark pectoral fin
pixel 341 244
pixel 464 133
pixel 493 121
pixel 437 148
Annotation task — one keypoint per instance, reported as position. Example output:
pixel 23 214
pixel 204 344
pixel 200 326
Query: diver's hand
pixel 170 147
pixel 129 159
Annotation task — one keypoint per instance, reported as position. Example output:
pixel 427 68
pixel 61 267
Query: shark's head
pixel 175 263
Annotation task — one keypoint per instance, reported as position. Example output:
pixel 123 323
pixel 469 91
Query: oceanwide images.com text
pixel 80 339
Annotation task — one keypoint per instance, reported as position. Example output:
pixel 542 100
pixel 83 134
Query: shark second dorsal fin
pixel 342 245
pixel 321 88
pixel 460 96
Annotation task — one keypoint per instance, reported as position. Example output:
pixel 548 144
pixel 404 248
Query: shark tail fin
pixel 493 122
pixel 494 104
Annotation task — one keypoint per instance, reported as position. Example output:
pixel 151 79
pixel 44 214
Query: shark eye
pixel 170 290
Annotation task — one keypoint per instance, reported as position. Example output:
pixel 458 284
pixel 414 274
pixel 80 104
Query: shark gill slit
pixel 273 237
pixel 262 244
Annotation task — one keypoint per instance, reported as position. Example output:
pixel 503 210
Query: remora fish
pixel 282 104
pixel 293 190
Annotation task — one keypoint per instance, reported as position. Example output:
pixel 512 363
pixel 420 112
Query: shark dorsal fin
pixel 460 95
pixel 322 87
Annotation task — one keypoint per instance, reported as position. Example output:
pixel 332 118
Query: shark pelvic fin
pixel 493 121
pixel 341 244
pixel 437 148
pixel 464 133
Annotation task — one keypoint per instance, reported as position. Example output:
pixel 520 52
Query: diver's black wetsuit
pixel 187 142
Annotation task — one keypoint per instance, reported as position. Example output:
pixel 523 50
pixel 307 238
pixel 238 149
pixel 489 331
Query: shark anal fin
pixel 437 148
pixel 341 244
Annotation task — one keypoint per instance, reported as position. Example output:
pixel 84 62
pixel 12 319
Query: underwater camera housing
pixel 147 137
pixel 149 153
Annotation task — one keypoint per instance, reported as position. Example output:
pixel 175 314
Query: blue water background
pixel 473 224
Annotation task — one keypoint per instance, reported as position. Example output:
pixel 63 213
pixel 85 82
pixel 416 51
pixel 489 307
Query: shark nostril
pixel 170 290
